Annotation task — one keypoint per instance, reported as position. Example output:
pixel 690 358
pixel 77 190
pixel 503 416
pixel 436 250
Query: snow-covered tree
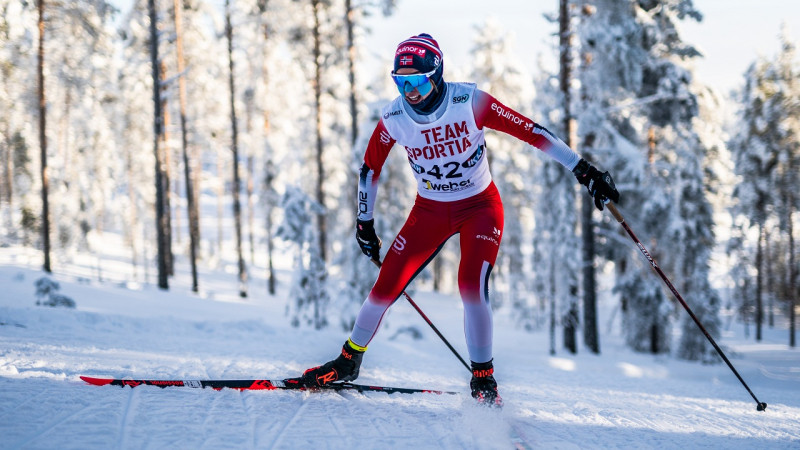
pixel 309 292
pixel 19 201
pixel 639 114
pixel 555 257
pixel 496 70
pixel 767 154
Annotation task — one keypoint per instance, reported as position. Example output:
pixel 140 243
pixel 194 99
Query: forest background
pixel 206 137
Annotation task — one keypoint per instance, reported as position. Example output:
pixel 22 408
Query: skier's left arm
pixel 489 112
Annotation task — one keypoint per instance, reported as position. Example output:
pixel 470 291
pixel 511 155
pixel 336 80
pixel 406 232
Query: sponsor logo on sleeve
pixel 506 114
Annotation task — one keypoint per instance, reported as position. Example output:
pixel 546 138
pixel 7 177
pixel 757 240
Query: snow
pixel 618 399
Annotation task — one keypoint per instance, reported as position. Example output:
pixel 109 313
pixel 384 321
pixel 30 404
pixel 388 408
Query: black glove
pixel 369 242
pixel 600 185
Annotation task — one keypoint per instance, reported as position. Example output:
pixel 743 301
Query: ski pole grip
pixel 614 212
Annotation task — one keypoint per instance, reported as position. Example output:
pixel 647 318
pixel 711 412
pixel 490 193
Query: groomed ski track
pixel 616 400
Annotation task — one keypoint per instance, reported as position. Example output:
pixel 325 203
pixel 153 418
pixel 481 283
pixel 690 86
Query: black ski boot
pixel 483 385
pixel 343 368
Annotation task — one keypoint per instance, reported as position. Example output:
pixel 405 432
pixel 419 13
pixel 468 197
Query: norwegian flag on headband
pixel 420 52
pixel 424 41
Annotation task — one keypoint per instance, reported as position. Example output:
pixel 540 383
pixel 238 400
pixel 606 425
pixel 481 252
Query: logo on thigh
pixel 399 244
pixel 494 238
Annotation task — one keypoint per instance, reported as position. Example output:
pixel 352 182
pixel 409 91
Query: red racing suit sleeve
pixel 380 143
pixel 492 114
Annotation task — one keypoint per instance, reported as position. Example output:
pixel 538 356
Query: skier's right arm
pixel 378 149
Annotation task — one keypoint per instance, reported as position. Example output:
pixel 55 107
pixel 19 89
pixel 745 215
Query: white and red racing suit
pixel 455 194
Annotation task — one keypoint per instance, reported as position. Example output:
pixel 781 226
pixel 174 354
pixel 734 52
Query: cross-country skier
pixel 441 126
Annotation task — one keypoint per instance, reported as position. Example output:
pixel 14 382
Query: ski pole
pixel 760 406
pixel 433 327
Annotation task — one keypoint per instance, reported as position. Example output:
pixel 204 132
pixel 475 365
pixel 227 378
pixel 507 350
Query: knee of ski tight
pixel 474 285
pixel 378 298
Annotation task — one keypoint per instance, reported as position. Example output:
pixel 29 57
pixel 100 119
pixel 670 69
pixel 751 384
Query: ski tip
pixel 96 381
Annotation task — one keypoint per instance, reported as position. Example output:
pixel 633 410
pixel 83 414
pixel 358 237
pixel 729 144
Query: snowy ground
pixel 616 400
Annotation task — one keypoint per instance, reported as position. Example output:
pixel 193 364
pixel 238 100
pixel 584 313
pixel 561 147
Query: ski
pixel 519 438
pixel 252 385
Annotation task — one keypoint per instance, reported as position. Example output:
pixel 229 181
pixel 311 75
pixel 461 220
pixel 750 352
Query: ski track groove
pixel 30 399
pixel 279 435
pixel 357 402
pixel 248 411
pixel 125 421
pixel 354 408
pixel 210 415
pixel 519 438
pixel 46 428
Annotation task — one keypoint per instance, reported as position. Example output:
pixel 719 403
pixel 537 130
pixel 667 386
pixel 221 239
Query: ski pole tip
pixel 761 406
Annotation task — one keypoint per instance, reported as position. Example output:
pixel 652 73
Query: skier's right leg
pixel 424 232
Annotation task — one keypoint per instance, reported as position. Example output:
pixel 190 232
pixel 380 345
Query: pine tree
pixel 496 71
pixel 18 66
pixel 43 143
pixel 189 178
pixel 160 160
pixel 766 154
pixel 237 206
pixel 309 293
pixel 639 110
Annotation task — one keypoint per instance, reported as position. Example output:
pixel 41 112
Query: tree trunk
pixel 192 211
pixel 220 201
pixel 351 71
pixel 553 306
pixel 570 325
pixel 759 282
pixel 268 226
pixel 8 166
pixel 569 125
pixel 167 168
pixel 237 183
pixel 250 176
pixel 321 221
pixel 268 179
pixel 655 334
pixel 591 336
pixel 773 286
pixel 792 285
pixel 437 272
pixel 133 219
pixel 43 145
pixel 161 224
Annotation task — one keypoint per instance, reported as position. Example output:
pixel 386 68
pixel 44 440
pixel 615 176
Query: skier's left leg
pixel 480 242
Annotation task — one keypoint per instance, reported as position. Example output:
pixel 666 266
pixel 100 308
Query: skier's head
pixel 418 72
